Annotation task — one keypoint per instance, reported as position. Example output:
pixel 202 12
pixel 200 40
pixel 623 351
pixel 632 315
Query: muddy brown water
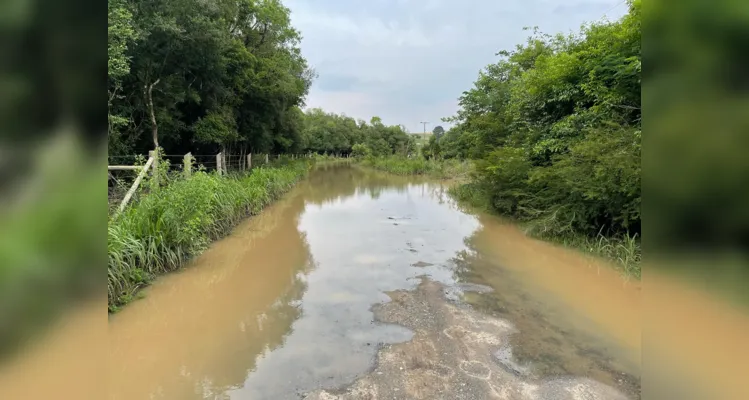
pixel 363 285
pixel 283 306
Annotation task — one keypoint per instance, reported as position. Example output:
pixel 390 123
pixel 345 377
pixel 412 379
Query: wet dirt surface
pixel 452 357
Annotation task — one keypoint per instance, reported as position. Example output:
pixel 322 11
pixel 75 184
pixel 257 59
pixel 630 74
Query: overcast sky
pixel 409 60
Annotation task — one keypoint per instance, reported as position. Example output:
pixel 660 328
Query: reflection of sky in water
pixel 282 305
pixel 363 245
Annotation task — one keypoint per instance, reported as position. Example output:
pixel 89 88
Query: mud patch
pixel 421 264
pixel 453 355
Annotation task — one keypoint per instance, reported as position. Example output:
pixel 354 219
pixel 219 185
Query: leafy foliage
pixel 438 131
pixel 555 129
pixel 332 133
pixel 361 150
pixel 215 75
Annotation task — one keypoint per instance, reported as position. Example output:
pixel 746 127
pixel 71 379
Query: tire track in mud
pixel 451 356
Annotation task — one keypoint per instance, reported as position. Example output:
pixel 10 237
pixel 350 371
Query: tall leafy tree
pixel 205 75
pixel 555 129
pixel 438 131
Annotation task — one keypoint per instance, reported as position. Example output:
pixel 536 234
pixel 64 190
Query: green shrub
pixel 360 150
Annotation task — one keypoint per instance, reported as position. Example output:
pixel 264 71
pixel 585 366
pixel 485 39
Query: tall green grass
pixel 169 226
pixel 624 251
pixel 419 166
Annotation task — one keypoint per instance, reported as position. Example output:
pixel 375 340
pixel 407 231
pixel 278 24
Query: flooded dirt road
pixel 362 285
pixel 359 285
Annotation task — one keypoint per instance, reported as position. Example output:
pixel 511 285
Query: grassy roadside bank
pixel 442 169
pixel 624 251
pixel 169 227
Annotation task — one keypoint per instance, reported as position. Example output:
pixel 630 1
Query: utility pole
pixel 425 129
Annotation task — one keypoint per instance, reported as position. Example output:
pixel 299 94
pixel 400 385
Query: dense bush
pixel 360 150
pixel 555 129
pixel 171 225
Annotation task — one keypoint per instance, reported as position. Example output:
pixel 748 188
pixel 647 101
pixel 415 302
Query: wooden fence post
pixel 135 185
pixel 249 161
pixel 219 164
pixel 266 158
pixel 187 168
pixel 155 168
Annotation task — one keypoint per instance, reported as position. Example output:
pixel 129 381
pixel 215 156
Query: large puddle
pixel 330 287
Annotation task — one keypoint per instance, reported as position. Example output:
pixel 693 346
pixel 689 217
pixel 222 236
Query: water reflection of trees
pixel 332 183
pixel 238 363
pixel 326 184
pixel 266 324
pixel 261 327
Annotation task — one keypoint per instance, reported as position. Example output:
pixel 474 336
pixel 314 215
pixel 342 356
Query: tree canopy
pixel 324 132
pixel 438 131
pixel 555 129
pixel 189 74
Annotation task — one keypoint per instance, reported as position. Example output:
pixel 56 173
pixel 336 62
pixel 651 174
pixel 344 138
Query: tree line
pixel 554 128
pixel 332 133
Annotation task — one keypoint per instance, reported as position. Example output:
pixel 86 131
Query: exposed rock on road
pixel 452 356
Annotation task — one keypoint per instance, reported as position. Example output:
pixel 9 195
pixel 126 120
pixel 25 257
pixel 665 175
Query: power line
pixel 612 8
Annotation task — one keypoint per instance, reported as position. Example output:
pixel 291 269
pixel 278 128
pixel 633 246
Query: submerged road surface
pixel 359 285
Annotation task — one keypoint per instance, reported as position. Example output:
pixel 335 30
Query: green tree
pixel 120 36
pixel 361 150
pixel 438 131
pixel 555 129
pixel 332 133
pixel 217 75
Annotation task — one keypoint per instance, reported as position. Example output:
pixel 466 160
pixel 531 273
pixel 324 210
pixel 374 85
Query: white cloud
pixel 409 60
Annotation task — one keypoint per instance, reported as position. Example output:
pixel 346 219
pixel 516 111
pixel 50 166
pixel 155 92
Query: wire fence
pixel 169 167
